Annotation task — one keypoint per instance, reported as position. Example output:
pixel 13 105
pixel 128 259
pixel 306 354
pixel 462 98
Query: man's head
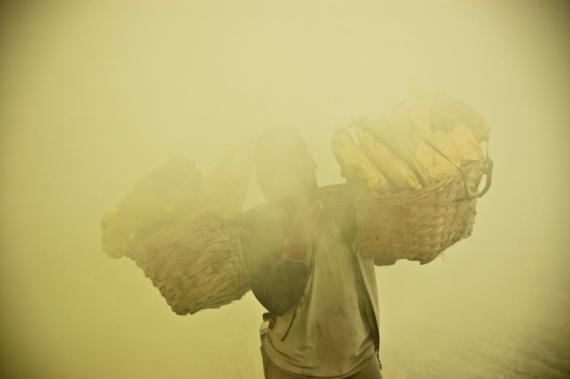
pixel 285 168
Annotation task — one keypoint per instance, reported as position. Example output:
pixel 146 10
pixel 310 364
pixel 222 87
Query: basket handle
pixel 488 172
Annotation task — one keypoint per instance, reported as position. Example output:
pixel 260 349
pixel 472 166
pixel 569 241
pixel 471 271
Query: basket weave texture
pixel 175 224
pixel 195 262
pixel 417 225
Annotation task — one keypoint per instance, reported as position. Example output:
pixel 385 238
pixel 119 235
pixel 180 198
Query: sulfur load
pixel 415 174
pixel 419 143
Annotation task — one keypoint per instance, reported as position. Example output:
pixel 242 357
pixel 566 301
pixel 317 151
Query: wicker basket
pixel 195 262
pixel 419 225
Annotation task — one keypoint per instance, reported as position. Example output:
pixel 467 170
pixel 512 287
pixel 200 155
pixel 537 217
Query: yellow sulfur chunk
pixel 436 166
pixel 458 144
pixel 356 167
pixel 396 171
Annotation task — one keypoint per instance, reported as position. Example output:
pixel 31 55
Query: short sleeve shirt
pixel 332 334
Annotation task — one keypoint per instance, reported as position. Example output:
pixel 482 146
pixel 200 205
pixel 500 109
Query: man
pixel 321 296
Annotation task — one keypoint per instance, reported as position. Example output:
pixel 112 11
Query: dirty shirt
pixel 332 333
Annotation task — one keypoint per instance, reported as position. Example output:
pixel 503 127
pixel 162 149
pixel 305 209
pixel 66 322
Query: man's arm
pixel 277 261
pixel 281 286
